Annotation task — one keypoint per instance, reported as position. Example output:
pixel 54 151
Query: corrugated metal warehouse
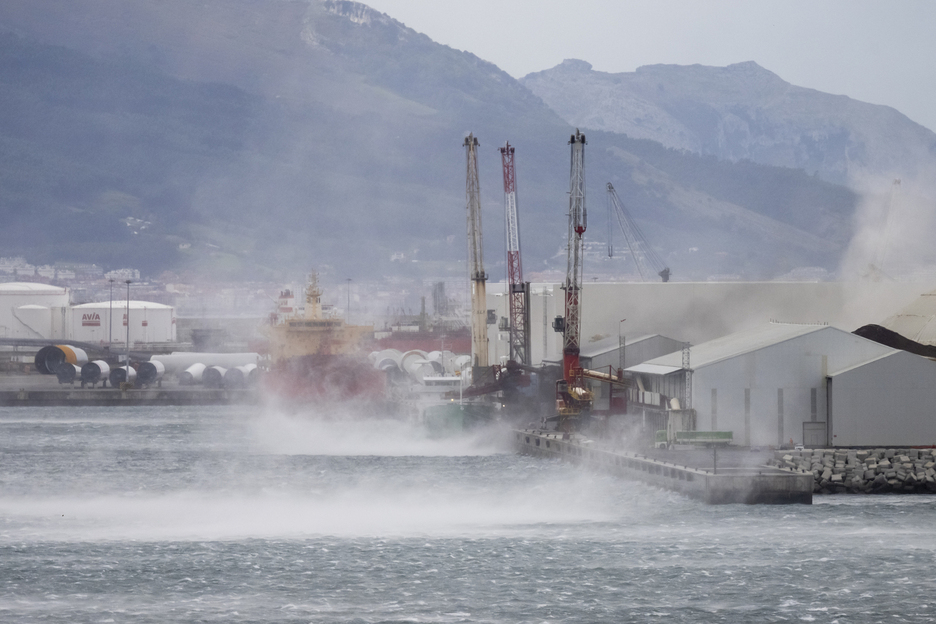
pixel 607 353
pixel 812 384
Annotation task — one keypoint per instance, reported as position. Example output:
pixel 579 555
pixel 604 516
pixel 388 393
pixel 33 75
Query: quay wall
pixel 114 397
pixel 762 486
pixel 863 471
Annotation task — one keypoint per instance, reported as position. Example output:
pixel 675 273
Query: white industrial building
pixel 149 322
pixel 694 312
pixel 600 355
pixel 33 311
pixel 813 384
pixel 605 354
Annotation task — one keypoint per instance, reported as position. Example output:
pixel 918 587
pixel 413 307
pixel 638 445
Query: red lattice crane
pixel 573 397
pixel 578 221
pixel 517 290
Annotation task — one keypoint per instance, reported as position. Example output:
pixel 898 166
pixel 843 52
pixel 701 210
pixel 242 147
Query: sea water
pixel 257 515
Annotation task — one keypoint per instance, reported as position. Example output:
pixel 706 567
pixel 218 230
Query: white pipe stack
pixel 181 360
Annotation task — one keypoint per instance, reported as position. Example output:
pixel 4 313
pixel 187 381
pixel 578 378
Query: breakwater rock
pixel 865 471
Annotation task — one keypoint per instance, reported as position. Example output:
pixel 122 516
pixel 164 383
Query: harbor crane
pixel 647 260
pixel 573 397
pixel 518 291
pixel 476 274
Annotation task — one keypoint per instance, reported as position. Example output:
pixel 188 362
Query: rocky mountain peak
pixel 741 112
pixel 574 65
pixel 356 12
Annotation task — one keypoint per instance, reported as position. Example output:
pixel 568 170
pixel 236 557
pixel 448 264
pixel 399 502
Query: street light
pixel 110 316
pixel 128 330
pixel 621 345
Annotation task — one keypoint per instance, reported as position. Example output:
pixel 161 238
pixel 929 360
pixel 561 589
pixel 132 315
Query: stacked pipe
pixel 124 374
pixel 192 375
pixel 151 372
pixel 67 373
pixel 49 357
pixel 213 377
pixel 94 372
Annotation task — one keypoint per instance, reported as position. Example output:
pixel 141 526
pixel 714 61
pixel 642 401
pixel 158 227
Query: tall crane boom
pixel 517 290
pixel 644 257
pixel 578 220
pixel 476 274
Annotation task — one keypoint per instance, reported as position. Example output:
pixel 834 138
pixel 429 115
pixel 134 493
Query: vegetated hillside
pixel 253 137
pixel 739 112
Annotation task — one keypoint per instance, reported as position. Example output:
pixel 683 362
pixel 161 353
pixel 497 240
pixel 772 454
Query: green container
pixel 704 437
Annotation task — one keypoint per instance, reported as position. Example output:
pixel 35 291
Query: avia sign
pixel 90 319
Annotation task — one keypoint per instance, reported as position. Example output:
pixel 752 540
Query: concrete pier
pixel 761 485
pixel 92 397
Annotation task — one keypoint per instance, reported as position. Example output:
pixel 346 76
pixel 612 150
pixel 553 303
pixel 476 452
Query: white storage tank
pixel 149 322
pixel 29 310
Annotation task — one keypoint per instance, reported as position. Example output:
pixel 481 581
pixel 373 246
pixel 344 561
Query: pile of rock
pixel 876 471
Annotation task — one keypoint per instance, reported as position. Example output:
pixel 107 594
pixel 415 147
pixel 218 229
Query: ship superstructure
pixel 314 332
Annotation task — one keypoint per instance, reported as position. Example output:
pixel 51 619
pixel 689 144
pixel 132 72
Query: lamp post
pixel 128 330
pixel 621 345
pixel 110 316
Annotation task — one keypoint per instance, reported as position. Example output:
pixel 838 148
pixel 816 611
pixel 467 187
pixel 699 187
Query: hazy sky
pixel 874 51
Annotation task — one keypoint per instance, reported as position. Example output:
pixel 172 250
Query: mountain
pixel 741 112
pixel 257 138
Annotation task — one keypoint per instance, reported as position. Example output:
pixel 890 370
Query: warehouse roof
pixel 735 344
pixel 30 288
pixel 122 304
pixel 611 344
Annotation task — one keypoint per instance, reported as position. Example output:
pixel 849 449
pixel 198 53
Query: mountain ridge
pixel 741 111
pixel 252 152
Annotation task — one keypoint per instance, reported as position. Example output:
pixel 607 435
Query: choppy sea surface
pixel 254 515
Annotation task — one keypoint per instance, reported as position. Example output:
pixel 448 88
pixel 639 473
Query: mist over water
pixel 260 515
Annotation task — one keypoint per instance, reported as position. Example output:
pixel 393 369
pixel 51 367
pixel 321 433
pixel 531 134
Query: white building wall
pixel 16 295
pixel 148 323
pixel 796 366
pixel 543 297
pixel 890 401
